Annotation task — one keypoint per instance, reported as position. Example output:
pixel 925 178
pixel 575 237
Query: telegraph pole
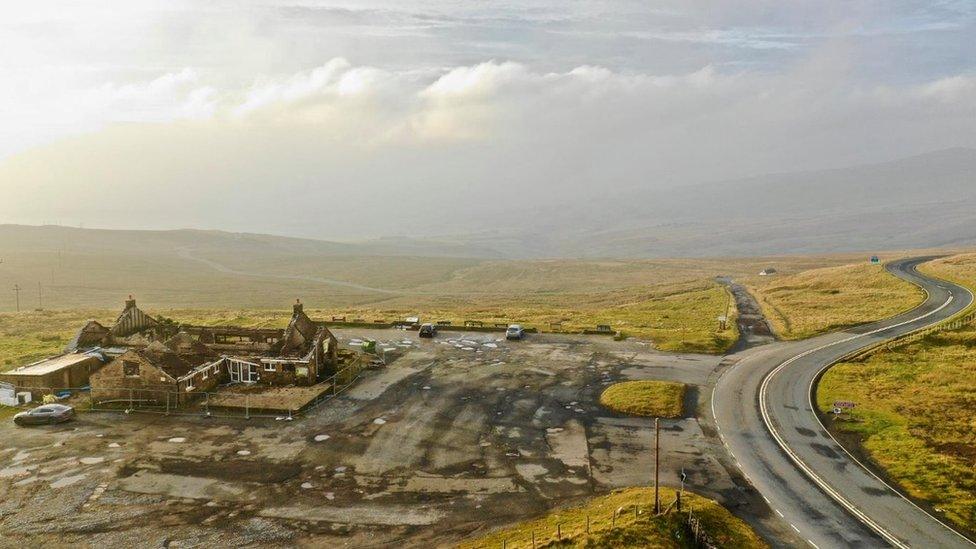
pixel 17 293
pixel 40 305
pixel 657 465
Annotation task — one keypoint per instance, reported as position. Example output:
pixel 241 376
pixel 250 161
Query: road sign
pixel 837 411
pixel 844 404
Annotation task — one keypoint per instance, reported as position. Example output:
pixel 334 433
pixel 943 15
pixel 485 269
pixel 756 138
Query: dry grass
pixel 644 531
pixel 672 303
pixel 916 409
pixel 821 300
pixel 645 398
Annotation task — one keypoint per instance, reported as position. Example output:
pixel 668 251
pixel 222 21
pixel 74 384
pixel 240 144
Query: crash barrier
pixel 237 400
pixel 566 532
pixel 950 324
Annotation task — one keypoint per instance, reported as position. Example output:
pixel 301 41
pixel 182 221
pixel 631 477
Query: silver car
pixel 515 331
pixel 45 415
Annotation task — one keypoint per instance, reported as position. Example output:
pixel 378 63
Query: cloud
pixel 343 150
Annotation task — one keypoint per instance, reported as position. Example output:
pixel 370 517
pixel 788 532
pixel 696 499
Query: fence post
pixel 206 403
pixel 247 409
pixel 533 539
pixel 587 524
pixel 167 402
pixel 131 406
pixel 559 531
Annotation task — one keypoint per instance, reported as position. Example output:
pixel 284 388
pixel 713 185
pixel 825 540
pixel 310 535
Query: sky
pixel 356 119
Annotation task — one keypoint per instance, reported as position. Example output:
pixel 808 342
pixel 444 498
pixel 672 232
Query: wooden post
pixel 167 402
pixel 533 539
pixel 559 531
pixel 657 465
pixel 587 524
pixel 206 403
pixel 613 522
pixel 247 409
pixel 131 406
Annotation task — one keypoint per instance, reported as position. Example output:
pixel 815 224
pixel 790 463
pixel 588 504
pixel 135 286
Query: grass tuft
pixel 663 399
pixel 666 531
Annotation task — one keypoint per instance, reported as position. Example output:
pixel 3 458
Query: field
pixel 915 409
pixel 812 302
pixel 645 398
pixel 204 277
pixel 625 531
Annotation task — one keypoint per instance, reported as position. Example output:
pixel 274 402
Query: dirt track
pixel 451 438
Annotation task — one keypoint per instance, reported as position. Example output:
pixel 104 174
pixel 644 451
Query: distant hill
pixel 53 238
pixel 918 202
pixel 922 201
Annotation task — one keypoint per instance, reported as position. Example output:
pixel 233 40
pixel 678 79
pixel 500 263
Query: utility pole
pixel 657 465
pixel 17 293
pixel 40 304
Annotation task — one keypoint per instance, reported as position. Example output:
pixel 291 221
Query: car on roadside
pixel 515 331
pixel 47 414
pixel 427 330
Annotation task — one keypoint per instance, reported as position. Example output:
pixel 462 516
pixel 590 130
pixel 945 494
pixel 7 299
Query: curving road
pixel 763 411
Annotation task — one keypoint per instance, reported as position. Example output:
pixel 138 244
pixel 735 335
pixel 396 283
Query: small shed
pixel 68 371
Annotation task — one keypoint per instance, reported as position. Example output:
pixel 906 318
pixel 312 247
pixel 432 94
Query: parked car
pixel 515 331
pixel 45 415
pixel 427 330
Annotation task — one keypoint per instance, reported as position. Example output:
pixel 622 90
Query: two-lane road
pixel 763 410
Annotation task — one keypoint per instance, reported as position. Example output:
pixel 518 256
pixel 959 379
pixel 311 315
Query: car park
pixel 45 415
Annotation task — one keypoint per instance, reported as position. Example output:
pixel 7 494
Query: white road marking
pixel 810 541
pixel 763 407
pixel 780 513
pixel 795 529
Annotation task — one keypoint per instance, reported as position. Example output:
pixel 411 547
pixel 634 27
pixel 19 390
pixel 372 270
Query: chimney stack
pixel 297 307
pixel 130 303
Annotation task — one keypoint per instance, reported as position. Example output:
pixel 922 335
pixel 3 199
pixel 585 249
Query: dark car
pixel 427 330
pixel 45 415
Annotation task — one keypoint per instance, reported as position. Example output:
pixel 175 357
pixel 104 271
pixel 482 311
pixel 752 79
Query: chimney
pixel 130 303
pixel 297 307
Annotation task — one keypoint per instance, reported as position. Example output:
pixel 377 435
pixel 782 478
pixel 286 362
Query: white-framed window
pixel 206 374
pixel 270 367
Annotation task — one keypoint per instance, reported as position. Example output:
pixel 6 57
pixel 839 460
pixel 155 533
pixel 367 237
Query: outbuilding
pixel 67 371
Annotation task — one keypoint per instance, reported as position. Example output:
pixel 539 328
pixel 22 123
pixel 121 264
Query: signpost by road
pixel 841 405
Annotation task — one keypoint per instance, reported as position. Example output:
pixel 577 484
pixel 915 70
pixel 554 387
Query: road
pixel 763 411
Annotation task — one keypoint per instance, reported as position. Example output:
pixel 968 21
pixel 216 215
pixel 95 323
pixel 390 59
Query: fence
pixel 690 525
pixel 237 400
pixel 952 323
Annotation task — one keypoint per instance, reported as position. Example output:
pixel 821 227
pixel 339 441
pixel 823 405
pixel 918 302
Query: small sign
pixel 875 260
pixel 844 404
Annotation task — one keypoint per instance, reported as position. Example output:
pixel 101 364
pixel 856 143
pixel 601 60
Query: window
pixel 289 368
pixel 270 367
pixel 130 368
pixel 206 374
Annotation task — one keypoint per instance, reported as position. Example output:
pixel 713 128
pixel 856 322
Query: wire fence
pixel 233 400
pixel 950 324
pixel 691 527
